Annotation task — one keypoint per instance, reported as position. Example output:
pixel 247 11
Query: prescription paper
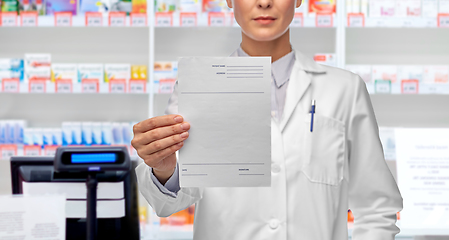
pixel 32 217
pixel 423 170
pixel 227 102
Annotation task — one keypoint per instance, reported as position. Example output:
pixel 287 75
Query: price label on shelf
pixel 298 20
pixel 11 85
pixel 50 150
pixel 139 19
pixel 63 86
pixel 31 150
pixel 164 19
pixel 63 19
pixel 380 22
pixel 356 20
pixel 29 19
pixel 432 22
pixel 37 85
pixel 9 19
pixel 217 19
pixel 187 19
pixel 443 20
pixel 90 85
pixel 137 86
pixel 94 19
pixel 382 86
pixel 324 20
pixel 410 86
pixel 117 19
pixel 117 86
pixel 8 150
pixel 409 22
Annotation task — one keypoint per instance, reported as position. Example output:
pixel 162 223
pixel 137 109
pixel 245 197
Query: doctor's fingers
pixel 164 143
pixel 160 160
pixel 159 133
pixel 157 122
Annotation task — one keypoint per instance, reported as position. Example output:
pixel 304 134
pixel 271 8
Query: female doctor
pixel 316 175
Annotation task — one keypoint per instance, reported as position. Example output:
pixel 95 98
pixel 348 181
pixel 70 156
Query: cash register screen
pixel 83 158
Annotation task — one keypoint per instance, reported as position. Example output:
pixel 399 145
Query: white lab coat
pixel 316 176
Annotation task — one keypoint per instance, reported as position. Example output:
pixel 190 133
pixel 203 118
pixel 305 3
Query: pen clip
pixel 312 112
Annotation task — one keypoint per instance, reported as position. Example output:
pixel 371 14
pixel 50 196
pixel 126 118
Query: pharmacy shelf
pixel 393 22
pixel 212 19
pixel 50 110
pixel 113 87
pixel 79 21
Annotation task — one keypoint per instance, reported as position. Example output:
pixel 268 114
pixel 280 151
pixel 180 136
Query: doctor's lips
pixel 264 19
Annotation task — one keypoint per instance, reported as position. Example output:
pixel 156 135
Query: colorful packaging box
pixel 139 72
pixel 408 8
pixel 9 6
pixel 76 133
pixel 165 5
pixel 11 68
pixel 37 66
pixel 28 136
pixel 89 6
pixel 328 59
pixel 53 6
pixel 41 73
pixel 164 76
pixel 38 137
pixel 215 6
pixel 57 136
pixel 322 6
pixel 64 71
pixel 139 6
pixel 32 5
pixel 106 133
pixel 90 71
pixel 189 6
pixel 86 134
pixel 66 133
pixel 96 133
pixel 436 74
pixel 11 63
pixel 381 8
pixel 117 71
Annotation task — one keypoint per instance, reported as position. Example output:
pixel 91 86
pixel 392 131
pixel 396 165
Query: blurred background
pixel 83 72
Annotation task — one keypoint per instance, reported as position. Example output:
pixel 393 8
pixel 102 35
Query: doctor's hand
pixel 157 139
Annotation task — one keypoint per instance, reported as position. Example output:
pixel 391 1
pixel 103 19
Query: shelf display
pixel 404 79
pixel 158 77
pixel 36 73
pixel 16 134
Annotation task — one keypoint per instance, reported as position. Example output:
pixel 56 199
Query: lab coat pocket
pixel 324 150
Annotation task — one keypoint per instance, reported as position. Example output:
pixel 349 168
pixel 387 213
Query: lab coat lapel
pixel 300 80
pixel 298 84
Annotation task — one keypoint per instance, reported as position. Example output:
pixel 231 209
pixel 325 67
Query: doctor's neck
pixel 276 48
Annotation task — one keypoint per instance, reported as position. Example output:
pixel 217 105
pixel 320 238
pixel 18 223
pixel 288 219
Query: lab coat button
pixel 274 223
pixel 275 168
pixel 273 113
